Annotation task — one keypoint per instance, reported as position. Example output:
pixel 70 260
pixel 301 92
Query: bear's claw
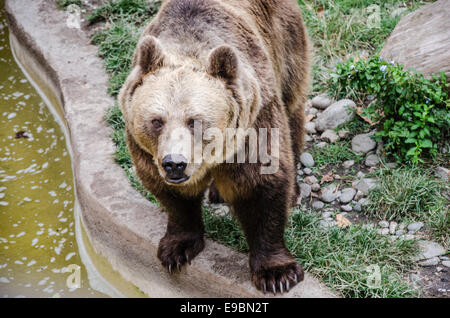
pixel 280 279
pixel 174 253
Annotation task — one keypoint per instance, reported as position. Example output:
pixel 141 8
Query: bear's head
pixel 169 104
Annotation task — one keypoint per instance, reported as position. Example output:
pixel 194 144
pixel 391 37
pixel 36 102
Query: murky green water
pixel 37 225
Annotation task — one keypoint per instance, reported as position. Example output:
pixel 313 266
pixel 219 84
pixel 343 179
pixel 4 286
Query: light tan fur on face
pixel 175 96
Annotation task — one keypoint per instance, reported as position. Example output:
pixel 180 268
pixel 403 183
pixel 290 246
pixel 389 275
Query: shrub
pixel 412 111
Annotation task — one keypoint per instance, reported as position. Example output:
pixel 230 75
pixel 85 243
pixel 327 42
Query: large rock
pixel 421 40
pixel 429 249
pixel 336 114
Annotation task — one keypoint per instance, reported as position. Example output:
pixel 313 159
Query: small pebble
pixel 326 215
pixel 349 163
pixel 384 231
pixel 392 227
pixel 307 159
pixel 414 227
pixel 311 180
pixel 430 262
pixel 346 208
pixel 318 205
pixel 357 207
pixel 446 263
pixel 315 187
pixel 384 224
pixel 307 171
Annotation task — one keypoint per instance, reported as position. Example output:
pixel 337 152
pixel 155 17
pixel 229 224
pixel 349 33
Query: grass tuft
pixel 333 154
pixel 411 194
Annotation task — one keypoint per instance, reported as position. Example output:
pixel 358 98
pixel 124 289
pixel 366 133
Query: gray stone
pixel 343 133
pixel 446 263
pixel 399 232
pixel 347 195
pixel 308 138
pixel 365 185
pixel 315 187
pixel 414 227
pixel 305 190
pixel 346 208
pixel 442 173
pixel 330 135
pixel 360 174
pixel 312 111
pixel 311 180
pixel 322 144
pixel 383 224
pixel 430 262
pixel 307 159
pixel 372 160
pixel 222 210
pixel 421 40
pixel 429 249
pixel 327 196
pixel 317 205
pixel 363 143
pixel 384 231
pixel 391 165
pixel 392 227
pixel 307 171
pixel 357 207
pixel 326 223
pixel 321 101
pixel 326 215
pixel 359 195
pixel 310 127
pixel 348 164
pixel 336 114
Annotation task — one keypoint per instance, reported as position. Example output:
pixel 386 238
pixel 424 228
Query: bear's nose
pixel 174 165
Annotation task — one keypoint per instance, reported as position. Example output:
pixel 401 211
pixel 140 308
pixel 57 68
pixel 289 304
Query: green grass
pixel 63 4
pixel 116 46
pixel 412 194
pixel 136 11
pixel 342 29
pixel 340 257
pixel 334 154
pixel 354 127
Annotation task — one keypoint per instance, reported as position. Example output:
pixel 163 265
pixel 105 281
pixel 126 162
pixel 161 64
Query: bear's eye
pixel 157 123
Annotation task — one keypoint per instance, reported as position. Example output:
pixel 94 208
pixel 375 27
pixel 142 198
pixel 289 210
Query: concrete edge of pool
pixel 122 226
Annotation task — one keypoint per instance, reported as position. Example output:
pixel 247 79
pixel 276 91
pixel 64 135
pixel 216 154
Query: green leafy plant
pixel 412 111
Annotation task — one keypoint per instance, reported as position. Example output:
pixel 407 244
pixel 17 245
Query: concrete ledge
pixel 122 225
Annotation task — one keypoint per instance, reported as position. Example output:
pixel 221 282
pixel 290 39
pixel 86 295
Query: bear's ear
pixel 149 55
pixel 223 63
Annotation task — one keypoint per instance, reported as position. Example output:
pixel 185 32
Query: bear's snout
pixel 174 165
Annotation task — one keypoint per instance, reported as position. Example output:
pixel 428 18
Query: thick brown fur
pixel 255 54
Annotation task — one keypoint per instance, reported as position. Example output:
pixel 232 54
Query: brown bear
pixel 210 64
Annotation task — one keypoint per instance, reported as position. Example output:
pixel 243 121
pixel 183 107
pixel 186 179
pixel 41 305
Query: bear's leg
pixel 184 235
pixel 263 218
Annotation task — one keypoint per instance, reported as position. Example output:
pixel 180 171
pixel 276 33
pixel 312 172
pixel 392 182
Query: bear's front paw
pixel 176 250
pixel 278 278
